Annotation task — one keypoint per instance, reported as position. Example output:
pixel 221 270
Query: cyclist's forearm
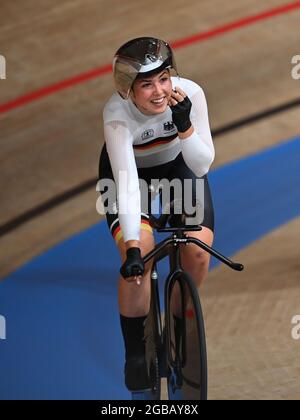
pixel 197 154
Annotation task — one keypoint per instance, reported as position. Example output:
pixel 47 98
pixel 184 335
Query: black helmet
pixel 140 56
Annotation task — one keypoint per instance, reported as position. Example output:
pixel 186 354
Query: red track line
pixel 92 74
pixel 236 25
pixel 48 90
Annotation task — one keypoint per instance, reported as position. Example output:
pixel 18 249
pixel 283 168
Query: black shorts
pixel 176 169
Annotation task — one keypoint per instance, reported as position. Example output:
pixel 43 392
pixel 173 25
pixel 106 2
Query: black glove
pixel 181 115
pixel 134 264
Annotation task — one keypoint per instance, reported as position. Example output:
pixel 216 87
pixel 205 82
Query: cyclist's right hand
pixel 134 265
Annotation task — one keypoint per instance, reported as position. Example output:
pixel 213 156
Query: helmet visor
pixel 142 55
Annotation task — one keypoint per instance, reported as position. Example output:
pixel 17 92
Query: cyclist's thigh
pixel 197 189
pixel 192 252
pixel 147 241
pixel 146 244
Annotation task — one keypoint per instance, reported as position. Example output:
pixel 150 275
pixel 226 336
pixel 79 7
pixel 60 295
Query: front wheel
pixel 186 345
pixel 153 339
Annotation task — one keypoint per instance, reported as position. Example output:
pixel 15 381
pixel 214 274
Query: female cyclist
pixel 155 127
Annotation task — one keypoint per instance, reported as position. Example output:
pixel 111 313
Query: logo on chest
pixel 148 134
pixel 169 126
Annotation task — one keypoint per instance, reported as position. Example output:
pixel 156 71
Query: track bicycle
pixel 176 348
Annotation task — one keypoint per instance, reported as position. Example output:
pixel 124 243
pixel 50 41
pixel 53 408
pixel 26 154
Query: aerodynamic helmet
pixel 140 56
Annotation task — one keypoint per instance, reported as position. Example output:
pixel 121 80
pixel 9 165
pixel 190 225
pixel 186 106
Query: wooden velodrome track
pixel 51 145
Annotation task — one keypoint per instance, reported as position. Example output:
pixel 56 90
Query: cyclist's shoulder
pixel 188 86
pixel 115 109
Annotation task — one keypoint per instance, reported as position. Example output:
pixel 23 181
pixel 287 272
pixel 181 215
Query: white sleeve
pixel 198 150
pixel 120 151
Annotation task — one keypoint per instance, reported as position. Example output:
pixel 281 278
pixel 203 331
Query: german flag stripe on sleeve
pixel 117 232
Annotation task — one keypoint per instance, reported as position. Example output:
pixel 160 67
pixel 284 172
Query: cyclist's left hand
pixel 180 106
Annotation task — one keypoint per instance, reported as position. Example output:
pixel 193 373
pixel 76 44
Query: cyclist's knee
pixel 195 259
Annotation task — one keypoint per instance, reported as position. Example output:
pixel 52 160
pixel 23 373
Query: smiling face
pixel 151 94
